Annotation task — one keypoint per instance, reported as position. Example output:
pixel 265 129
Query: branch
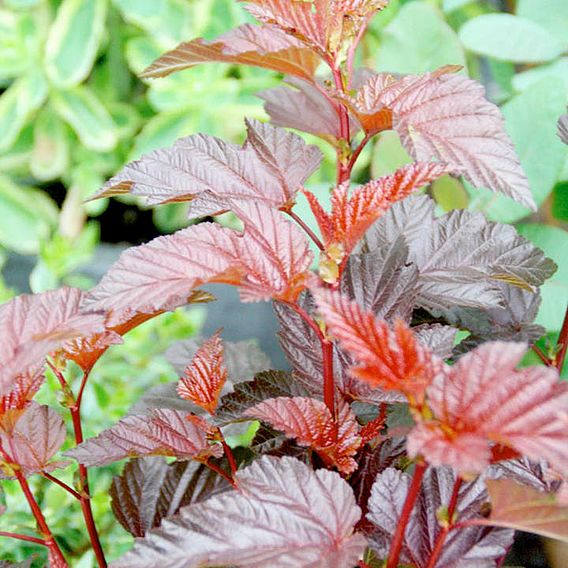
pixel 61 484
pixel 536 349
pixel 398 538
pixel 25 537
pixel 309 232
pixel 441 539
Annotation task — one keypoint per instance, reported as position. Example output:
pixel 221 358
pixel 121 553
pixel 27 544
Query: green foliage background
pixel 73 111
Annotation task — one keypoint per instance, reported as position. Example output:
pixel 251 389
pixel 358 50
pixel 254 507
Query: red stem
pixel 221 472
pixel 230 456
pixel 48 538
pixel 441 538
pixel 398 538
pixel 309 232
pixel 357 153
pixel 61 484
pixel 328 380
pixel 84 495
pixel 536 349
pixel 306 317
pixel 563 342
pixel 25 537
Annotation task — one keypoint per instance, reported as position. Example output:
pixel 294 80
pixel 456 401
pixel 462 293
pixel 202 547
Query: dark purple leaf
pixel 281 514
pixel 470 547
pixel 563 128
pixel 150 490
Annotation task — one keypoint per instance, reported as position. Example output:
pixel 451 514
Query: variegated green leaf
pixel 74 40
pixel 84 112
pixel 17 104
pixel 50 154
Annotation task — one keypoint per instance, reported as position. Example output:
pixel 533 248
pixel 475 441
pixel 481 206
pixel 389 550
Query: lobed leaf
pixel 150 490
pixel 204 378
pixel 311 423
pixel 483 399
pixel 215 175
pixel 464 548
pixel 269 259
pixel 389 357
pixel 281 514
pixel 260 46
pixel 163 432
pixel 446 117
pixel 33 439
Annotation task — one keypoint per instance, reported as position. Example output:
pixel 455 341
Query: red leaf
pixel 33 326
pixel 260 46
pixel 204 377
pixel 389 357
pixel 269 259
pixel 446 117
pixel 33 439
pixel 526 509
pixel 215 175
pixel 482 400
pixel 281 514
pixel 310 422
pixel 351 216
pixel 163 432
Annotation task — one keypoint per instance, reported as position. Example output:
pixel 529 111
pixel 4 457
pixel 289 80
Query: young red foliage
pixel 484 400
pixel 205 376
pixel 389 357
pixel 351 216
pixel 310 422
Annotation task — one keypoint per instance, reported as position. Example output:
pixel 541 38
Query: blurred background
pixel 73 111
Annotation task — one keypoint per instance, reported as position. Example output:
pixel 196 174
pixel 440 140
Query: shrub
pixel 406 433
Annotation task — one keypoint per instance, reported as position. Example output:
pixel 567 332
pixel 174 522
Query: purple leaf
pixel 464 548
pixel 150 490
pixel 215 175
pixel 164 432
pixel 281 514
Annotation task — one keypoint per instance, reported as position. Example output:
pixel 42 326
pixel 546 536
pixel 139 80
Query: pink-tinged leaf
pixel 324 26
pixel 150 490
pixel 310 422
pixel 525 509
pixel 534 473
pixel 33 326
pixel 351 215
pixel 259 46
pixel 214 175
pixel 389 357
pixel 304 108
pixel 470 547
pixel 164 432
pixel 270 259
pixel 281 514
pixel 563 128
pixel 483 400
pixel 33 439
pixel 204 378
pixel 447 117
